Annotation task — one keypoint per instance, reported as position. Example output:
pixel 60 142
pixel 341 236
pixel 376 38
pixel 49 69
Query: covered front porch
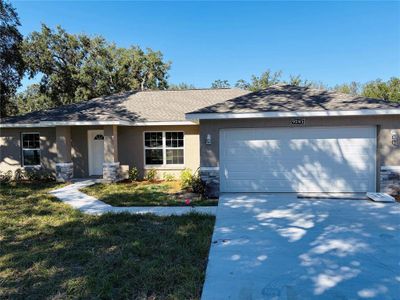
pixel 88 151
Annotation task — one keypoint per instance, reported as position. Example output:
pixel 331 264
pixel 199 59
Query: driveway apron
pixel 281 247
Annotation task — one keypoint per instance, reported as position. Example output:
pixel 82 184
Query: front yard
pixel 51 251
pixel 144 193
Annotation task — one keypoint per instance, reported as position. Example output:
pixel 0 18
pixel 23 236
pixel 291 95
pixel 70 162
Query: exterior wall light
pixel 208 139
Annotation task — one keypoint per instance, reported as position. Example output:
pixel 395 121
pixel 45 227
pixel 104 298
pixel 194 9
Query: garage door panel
pixel 329 160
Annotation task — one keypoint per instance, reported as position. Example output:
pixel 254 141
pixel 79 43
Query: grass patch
pixel 144 193
pixel 51 251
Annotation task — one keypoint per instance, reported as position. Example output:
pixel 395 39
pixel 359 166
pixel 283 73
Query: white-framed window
pixel 164 148
pixel 30 142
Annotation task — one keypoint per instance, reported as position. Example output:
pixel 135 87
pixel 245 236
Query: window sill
pixel 165 167
pixel 32 166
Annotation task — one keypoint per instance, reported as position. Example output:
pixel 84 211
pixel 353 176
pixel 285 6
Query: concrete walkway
pixel 284 248
pixel 90 205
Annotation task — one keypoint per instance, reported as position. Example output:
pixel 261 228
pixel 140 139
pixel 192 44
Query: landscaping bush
pixel 186 178
pixel 19 175
pixel 6 177
pixel 168 177
pixel 193 182
pixel 198 186
pixel 151 175
pixel 133 174
pixel 34 174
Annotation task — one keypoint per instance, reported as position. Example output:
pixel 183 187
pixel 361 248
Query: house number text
pixel 297 122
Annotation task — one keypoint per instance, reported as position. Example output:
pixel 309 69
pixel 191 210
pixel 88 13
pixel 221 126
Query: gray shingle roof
pixel 133 106
pixel 288 98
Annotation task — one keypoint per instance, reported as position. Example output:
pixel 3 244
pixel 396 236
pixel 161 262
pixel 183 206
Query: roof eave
pixel 94 123
pixel 284 114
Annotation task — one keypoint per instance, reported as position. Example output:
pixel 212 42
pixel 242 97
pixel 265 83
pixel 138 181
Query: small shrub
pixel 47 176
pixel 133 174
pixel 168 177
pixel 34 174
pixel 186 178
pixel 19 175
pixel 198 186
pixel 6 176
pixel 151 175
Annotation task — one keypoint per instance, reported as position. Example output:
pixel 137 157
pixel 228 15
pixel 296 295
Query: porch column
pixel 111 163
pixel 64 165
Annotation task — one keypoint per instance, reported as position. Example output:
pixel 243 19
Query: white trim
pixel 166 123
pixel 209 168
pixel 277 114
pixel 64 164
pixel 390 168
pixel 93 123
pixel 164 148
pixel 90 134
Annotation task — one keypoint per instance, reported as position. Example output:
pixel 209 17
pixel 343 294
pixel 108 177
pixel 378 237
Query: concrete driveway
pixel 281 247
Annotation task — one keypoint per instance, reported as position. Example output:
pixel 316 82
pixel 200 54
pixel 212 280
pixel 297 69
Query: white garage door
pixel 330 159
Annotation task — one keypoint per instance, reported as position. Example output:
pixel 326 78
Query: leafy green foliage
pixel 220 84
pixel 144 193
pixel 353 88
pixel 151 175
pixel 41 174
pixel 198 186
pixel 389 90
pixel 78 67
pixel 19 175
pixel 168 177
pixel 181 86
pixel 133 174
pixel 6 176
pixel 186 178
pixel 11 63
pixel 193 182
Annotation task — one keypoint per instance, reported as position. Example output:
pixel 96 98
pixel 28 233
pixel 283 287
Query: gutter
pixel 278 114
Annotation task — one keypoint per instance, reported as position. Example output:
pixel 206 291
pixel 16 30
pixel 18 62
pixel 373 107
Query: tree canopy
pixel 220 84
pixel 387 90
pixel 80 67
pixel 11 62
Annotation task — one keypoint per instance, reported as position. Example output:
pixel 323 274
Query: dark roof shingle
pixel 288 98
pixel 150 106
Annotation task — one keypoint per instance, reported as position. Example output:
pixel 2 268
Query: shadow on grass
pixel 50 250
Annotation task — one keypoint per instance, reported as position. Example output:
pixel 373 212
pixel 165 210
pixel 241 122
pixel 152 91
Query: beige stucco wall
pixel 390 155
pixel 10 147
pixel 131 147
pixel 387 153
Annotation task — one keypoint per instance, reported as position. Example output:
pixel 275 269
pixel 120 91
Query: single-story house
pixel 282 139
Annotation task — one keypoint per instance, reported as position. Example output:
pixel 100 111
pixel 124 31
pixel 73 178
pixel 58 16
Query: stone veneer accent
pixel 111 171
pixel 64 171
pixel 389 178
pixel 210 177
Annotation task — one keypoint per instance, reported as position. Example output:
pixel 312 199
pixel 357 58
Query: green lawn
pixel 51 251
pixel 167 193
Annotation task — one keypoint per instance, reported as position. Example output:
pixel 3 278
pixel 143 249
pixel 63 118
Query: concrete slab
pixel 90 205
pixel 281 247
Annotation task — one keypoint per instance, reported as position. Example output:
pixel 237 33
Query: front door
pixel 96 151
